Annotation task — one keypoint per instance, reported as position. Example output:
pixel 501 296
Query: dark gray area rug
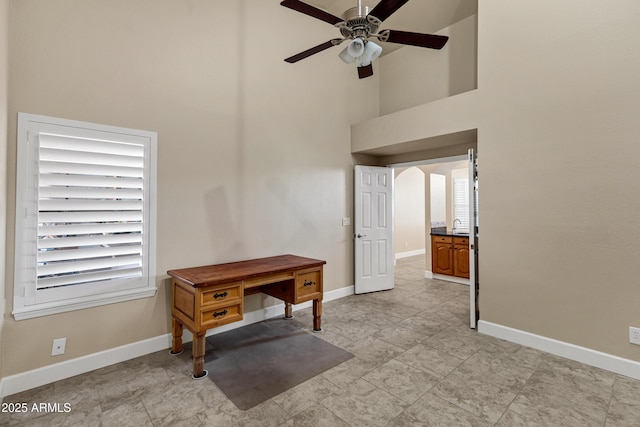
pixel 256 362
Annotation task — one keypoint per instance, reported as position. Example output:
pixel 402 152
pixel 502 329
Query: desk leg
pixel 288 310
pixel 176 332
pixel 317 315
pixel 198 355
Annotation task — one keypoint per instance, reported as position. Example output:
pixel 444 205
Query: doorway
pixel 425 199
pixel 439 198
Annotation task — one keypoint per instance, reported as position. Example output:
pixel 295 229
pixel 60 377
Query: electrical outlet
pixel 634 335
pixel 58 347
pixel 346 221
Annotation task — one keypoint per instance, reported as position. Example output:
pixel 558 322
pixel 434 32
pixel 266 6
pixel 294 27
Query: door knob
pixel 359 236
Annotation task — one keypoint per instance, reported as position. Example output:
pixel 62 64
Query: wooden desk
pixel 210 296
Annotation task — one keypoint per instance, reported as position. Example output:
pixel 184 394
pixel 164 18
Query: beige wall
pixel 557 135
pixel 4 66
pixel 254 153
pixel 409 210
pixel 558 164
pixel 412 76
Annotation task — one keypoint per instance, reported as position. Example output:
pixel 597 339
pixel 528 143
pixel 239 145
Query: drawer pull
pixel 222 295
pixel 308 283
pixel 216 314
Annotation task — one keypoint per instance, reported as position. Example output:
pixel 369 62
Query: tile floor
pixel 417 364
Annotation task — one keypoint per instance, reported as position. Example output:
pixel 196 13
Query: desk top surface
pixel 222 273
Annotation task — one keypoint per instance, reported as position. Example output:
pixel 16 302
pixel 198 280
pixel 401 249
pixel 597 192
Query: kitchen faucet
pixel 454 223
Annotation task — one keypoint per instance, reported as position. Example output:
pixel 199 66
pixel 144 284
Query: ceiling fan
pixel 358 24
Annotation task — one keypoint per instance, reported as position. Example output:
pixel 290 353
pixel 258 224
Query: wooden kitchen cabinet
pixel 442 255
pixel 450 255
pixel 461 257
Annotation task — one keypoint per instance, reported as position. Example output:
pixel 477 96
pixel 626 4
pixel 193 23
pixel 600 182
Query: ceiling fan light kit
pixel 356 47
pixel 361 52
pixel 358 24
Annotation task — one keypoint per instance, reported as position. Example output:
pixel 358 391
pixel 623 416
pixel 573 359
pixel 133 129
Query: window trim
pixel 24 285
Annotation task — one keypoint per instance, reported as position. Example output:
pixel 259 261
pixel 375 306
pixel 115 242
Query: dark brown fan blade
pixel 307 9
pixel 366 71
pixel 431 41
pixel 313 50
pixel 386 8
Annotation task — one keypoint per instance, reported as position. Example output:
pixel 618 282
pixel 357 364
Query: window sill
pixel 39 310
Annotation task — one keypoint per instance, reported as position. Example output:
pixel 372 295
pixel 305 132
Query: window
pixel 461 201
pixel 85 215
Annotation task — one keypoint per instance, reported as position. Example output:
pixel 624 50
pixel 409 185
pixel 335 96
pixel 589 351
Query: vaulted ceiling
pixel 422 16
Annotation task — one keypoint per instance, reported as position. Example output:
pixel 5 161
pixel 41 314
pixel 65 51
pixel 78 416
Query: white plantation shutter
pixel 461 202
pixel 77 177
pixel 88 202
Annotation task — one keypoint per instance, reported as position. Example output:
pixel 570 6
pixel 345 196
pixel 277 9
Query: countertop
pixel 445 232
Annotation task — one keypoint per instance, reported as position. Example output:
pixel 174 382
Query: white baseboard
pixel 428 274
pixel 454 279
pixel 69 368
pixel 410 253
pixel 609 362
pixel 2 310
pixel 59 371
pixel 333 295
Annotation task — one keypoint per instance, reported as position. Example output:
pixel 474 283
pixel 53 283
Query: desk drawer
pixel 307 284
pixel 222 294
pixel 221 315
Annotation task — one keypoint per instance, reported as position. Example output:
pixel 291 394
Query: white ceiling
pixel 421 16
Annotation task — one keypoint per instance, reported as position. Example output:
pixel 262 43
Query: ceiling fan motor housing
pixel 356 12
pixel 357 23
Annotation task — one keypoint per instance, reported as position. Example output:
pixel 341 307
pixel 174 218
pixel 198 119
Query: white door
pixel 473 239
pixel 373 229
